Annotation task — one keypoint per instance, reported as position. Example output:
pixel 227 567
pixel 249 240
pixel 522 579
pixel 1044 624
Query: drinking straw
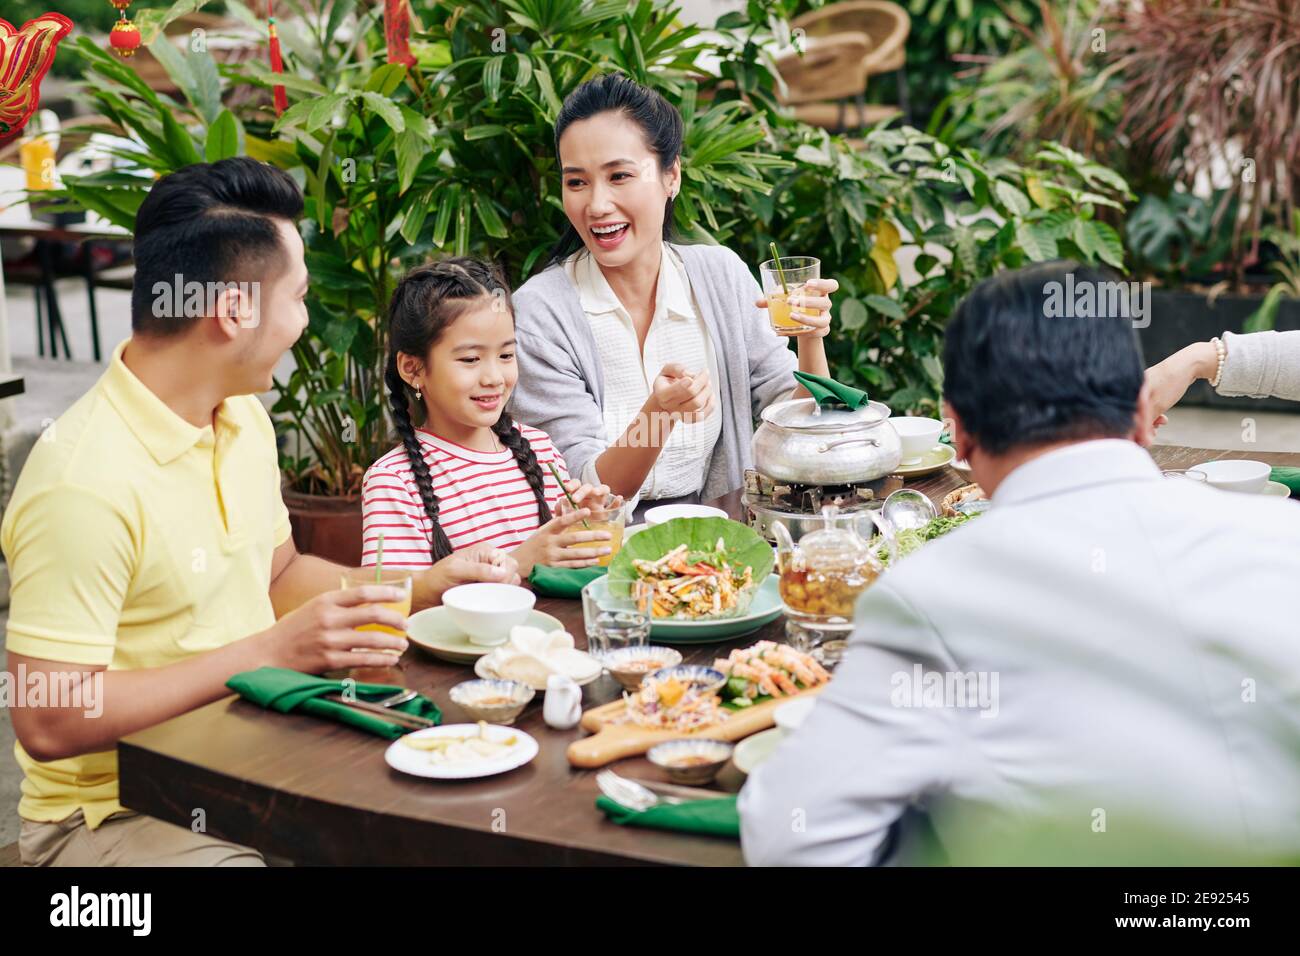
pixel 559 481
pixel 776 260
pixel 379 560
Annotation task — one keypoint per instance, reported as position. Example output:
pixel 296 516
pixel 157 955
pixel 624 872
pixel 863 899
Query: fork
pixel 631 795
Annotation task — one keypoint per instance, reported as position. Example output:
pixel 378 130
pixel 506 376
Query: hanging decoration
pixel 25 57
pixel 397 31
pixel 277 61
pixel 124 38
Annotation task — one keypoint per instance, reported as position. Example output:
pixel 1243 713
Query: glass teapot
pixel 822 576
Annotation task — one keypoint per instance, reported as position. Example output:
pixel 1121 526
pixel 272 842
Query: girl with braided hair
pixel 465 473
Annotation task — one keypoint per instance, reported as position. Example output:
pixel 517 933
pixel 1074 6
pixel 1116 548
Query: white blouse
pixel 677 334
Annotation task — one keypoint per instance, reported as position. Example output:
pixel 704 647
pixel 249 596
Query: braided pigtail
pixel 401 409
pixel 526 458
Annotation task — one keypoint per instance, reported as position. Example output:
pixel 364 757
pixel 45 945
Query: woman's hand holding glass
pixel 814 304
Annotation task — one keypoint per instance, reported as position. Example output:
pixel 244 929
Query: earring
pixel 417 394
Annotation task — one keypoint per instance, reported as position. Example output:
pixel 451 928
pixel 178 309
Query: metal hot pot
pixel 800 443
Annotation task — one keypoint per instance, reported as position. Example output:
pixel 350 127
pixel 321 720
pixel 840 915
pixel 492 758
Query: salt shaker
pixel 562 708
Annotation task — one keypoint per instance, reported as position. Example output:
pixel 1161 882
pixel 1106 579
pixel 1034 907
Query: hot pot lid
pixel 802 414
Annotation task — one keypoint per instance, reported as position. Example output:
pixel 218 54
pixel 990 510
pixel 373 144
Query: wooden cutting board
pixel 609 742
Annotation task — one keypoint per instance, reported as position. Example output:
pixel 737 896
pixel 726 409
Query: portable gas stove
pixel 799 507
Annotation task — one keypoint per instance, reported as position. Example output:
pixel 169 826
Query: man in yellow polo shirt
pixel 149 550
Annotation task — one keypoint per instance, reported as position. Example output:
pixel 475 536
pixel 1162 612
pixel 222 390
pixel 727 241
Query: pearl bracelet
pixel 1221 351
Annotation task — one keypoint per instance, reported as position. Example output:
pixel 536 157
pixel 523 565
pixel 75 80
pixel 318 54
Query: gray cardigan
pixel 561 388
pixel 1261 364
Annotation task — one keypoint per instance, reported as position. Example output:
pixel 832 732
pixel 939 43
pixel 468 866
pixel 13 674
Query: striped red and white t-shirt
pixel 483 498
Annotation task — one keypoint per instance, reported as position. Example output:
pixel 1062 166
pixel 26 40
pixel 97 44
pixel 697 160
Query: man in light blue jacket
pixel 1103 668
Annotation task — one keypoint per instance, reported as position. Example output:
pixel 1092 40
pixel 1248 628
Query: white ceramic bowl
pixel 487 612
pixel 1236 475
pixel 493 701
pixel 917 435
pixel 691 762
pixel 789 716
pixel 654 516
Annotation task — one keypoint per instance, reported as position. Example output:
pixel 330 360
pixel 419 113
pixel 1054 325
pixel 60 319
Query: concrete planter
pixel 326 526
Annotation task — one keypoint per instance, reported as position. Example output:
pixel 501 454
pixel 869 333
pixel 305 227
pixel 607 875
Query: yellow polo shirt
pixel 136 540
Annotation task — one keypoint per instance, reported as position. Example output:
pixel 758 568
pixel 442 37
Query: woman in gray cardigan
pixel 1258 364
pixel 647 361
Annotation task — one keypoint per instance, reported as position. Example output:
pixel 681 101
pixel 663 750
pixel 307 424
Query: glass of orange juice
pixel 37 156
pixel 796 270
pixel 607 515
pixel 396 577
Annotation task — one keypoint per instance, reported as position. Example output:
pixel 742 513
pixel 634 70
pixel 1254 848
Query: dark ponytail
pixel 658 119
pixel 425 302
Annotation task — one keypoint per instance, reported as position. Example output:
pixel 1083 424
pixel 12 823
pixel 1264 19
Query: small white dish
pixel 405 758
pixel 633 529
pixel 630 665
pixel 961 466
pixel 496 701
pixel 433 630
pixel 752 751
pixel 692 761
pixel 659 515
pixel 789 717
pixel 917 435
pixel 933 460
pixel 1235 474
pixel 487 612
pixel 1276 489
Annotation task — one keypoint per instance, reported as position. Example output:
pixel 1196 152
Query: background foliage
pixel 457 156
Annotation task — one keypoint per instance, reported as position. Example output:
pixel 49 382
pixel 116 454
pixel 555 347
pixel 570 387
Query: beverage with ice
pixel 786 283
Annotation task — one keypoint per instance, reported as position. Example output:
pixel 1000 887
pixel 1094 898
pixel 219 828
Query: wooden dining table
pixel 317 792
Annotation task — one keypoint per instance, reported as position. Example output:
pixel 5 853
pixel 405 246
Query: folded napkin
pixel 830 393
pixel 562 582
pixel 277 688
pixel 717 817
pixel 1288 476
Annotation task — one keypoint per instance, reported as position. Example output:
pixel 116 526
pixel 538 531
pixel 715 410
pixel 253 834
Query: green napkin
pixel 1288 476
pixel 277 688
pixel 717 817
pixel 562 582
pixel 830 393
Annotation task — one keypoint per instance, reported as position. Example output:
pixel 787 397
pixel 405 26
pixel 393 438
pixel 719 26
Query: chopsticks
pixel 400 717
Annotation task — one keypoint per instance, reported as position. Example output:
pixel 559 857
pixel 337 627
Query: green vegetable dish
pixel 909 541
pixel 700 568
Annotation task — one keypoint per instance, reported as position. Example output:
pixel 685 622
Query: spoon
pixel 908 509
pixel 401 697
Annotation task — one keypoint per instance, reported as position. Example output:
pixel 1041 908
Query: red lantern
pixel 125 38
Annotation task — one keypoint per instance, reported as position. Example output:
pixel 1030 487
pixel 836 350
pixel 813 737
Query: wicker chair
pixel 819 94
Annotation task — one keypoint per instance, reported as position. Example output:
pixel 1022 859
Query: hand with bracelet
pixel 1169 380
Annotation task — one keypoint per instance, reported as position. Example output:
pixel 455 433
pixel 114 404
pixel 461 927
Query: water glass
pixel 617 616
